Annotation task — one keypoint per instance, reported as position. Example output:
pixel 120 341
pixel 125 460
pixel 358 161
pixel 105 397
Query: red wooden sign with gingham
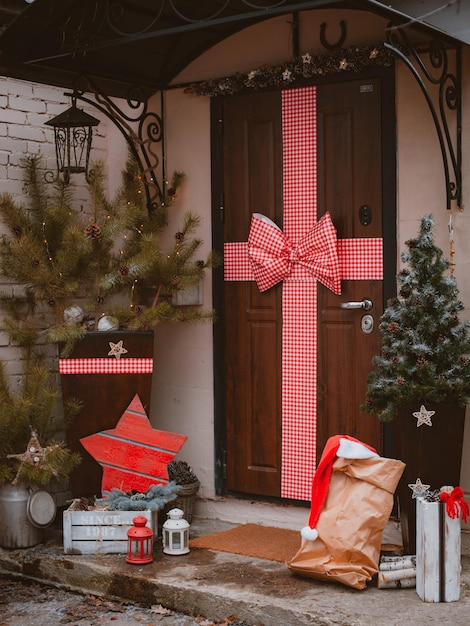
pixel 359 259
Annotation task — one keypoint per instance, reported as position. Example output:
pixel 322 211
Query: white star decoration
pixel 116 349
pixel 423 416
pixel 418 488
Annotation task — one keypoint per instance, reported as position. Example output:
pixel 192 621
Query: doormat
pixel 261 542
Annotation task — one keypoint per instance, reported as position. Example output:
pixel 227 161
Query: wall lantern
pixel 176 533
pixel 73 135
pixel 140 542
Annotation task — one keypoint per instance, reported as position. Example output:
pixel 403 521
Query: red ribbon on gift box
pixel 455 503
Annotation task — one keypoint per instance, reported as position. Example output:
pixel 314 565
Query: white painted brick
pixel 18 87
pixel 10 115
pixel 40 119
pixel 4 341
pixel 27 132
pixel 45 92
pixel 13 145
pixel 4 158
pixel 15 173
pixel 13 187
pixel 20 103
pixel 3 101
pixel 4 86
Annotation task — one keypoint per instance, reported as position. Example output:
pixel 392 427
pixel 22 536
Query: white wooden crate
pixel 101 532
pixel 438 558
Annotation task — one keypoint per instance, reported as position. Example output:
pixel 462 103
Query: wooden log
pixel 397 563
pixel 400 574
pixel 406 583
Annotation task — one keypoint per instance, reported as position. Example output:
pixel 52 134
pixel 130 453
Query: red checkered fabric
pixel 358 259
pixel 106 366
pixel 299 299
pixel 361 259
pixel 274 257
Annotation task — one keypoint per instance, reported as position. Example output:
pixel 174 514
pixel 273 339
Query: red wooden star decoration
pixel 133 455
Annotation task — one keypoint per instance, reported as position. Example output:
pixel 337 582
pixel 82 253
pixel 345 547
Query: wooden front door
pixel 349 174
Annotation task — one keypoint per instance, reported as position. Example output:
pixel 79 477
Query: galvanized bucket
pixel 24 513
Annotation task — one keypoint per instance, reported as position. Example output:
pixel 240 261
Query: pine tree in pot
pixel 84 275
pixel 421 380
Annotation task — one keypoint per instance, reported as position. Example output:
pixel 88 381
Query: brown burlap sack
pixel 354 514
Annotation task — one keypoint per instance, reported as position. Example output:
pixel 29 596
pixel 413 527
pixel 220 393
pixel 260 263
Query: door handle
pixel 365 305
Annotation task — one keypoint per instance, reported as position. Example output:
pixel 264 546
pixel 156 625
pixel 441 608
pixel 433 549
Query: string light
pixel 48 252
pixel 451 246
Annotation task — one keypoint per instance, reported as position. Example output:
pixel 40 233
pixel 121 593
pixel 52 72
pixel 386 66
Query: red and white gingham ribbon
pixel 358 259
pixel 106 366
pixel 274 257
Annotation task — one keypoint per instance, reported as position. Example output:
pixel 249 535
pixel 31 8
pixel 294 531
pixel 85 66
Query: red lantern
pixel 140 542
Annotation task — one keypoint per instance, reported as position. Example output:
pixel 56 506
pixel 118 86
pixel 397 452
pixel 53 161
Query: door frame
pixel 389 213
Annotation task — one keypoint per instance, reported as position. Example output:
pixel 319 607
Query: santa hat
pixel 337 446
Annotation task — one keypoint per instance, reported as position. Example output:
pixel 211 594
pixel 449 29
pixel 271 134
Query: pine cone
pixel 93 231
pixel 124 270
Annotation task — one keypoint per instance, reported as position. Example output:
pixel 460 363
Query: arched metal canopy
pixel 146 43
pixel 119 45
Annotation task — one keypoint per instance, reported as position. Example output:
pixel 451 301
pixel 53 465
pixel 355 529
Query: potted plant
pixel 421 380
pixel 85 270
pixel 32 452
pixel 180 473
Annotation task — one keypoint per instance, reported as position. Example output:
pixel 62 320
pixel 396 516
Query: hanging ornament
pixel 418 488
pixel 108 323
pixel 73 315
pixel 423 416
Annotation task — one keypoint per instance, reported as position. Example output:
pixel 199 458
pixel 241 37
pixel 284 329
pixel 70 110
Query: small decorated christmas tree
pixel 425 346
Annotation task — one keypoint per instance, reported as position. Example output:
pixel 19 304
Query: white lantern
pixel 176 533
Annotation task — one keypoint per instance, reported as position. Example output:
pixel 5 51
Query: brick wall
pixel 24 109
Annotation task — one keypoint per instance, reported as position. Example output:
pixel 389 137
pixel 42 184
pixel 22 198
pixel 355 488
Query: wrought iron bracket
pixel 142 129
pixel 430 68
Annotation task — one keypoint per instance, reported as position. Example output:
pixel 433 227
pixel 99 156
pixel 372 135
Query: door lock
pixel 367 324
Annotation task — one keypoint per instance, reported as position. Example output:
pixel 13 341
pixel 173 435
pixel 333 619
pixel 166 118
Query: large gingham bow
pixel 273 256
